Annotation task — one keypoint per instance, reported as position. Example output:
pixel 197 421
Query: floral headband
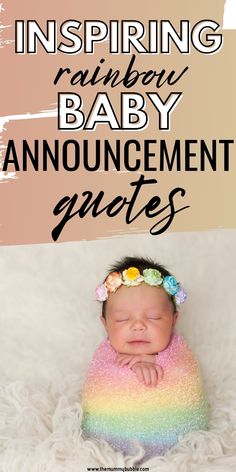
pixel 132 277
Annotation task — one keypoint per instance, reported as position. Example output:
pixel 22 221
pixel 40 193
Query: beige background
pixel 206 111
pixel 49 320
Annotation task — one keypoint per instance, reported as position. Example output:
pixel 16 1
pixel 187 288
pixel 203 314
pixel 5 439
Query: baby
pixel 143 384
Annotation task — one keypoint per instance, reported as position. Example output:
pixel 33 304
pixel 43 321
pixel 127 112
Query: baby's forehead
pixel 141 296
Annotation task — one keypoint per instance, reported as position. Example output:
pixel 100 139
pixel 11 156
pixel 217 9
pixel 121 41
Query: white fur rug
pixel 50 328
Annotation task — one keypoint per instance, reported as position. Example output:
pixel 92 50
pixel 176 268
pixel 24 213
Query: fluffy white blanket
pixel 50 328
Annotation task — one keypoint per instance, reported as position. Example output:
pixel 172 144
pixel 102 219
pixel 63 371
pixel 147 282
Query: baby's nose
pixel 138 325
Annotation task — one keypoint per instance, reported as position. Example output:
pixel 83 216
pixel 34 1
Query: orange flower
pixel 113 281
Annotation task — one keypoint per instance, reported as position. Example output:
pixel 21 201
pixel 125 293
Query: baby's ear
pixel 103 320
pixel 175 317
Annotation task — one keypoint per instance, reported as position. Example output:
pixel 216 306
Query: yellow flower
pixel 132 273
pixel 131 277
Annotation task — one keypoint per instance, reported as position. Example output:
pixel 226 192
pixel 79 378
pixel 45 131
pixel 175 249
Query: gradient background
pixel 206 111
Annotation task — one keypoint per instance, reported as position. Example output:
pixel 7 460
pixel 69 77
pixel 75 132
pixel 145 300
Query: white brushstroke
pixel 2 27
pixel 8 175
pixel 4 176
pixel 229 21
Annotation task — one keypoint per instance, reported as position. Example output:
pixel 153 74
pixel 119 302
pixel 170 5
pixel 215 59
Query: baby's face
pixel 139 320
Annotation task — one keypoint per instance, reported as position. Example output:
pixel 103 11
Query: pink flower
pixel 101 293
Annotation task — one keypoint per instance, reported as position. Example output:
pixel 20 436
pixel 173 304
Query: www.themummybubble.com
pixel 118 469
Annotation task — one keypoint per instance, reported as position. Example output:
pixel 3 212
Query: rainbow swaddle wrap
pixel 123 411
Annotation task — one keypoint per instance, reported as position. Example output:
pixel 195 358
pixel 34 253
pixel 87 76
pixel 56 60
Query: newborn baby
pixel 143 384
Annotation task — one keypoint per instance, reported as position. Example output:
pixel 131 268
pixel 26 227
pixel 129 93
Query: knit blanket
pixel 124 412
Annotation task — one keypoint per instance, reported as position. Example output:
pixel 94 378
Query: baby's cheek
pixel 116 337
pixel 162 337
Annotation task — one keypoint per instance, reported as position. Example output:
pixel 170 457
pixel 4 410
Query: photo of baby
pixel 140 300
pixel 110 359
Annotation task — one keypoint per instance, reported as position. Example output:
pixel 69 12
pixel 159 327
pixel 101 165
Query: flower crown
pixel 132 277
